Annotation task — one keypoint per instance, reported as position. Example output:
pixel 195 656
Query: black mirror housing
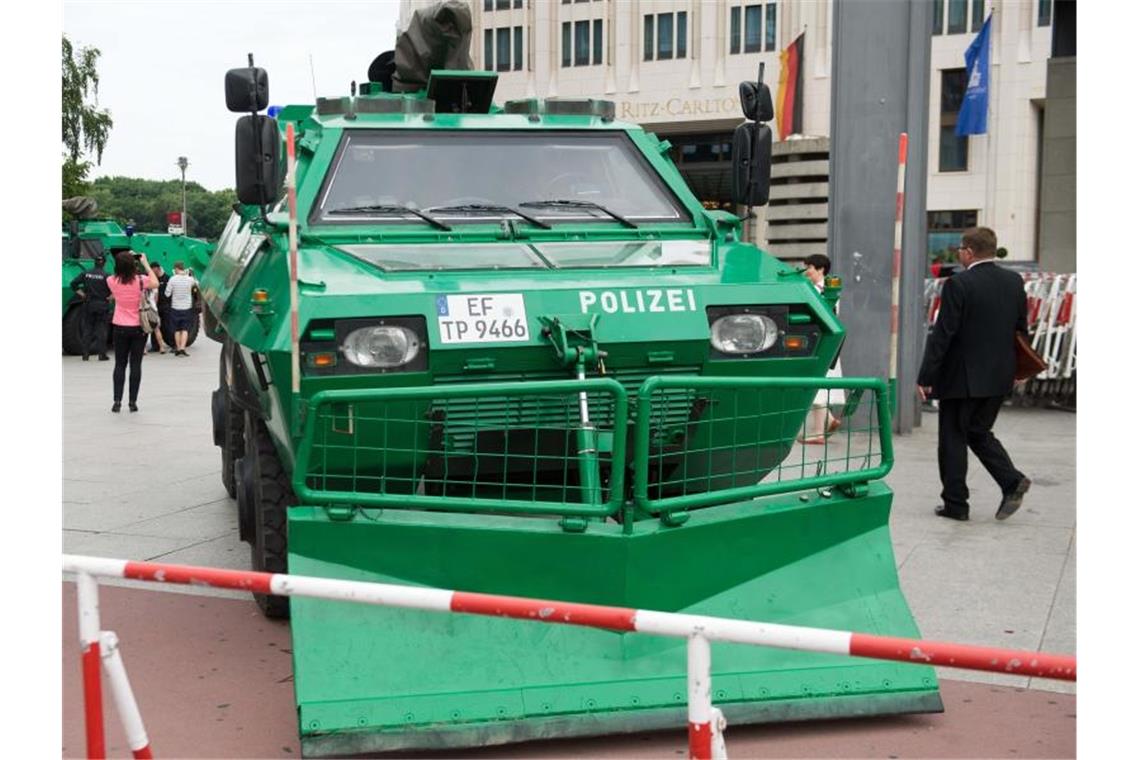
pixel 756 101
pixel 247 90
pixel 751 164
pixel 257 153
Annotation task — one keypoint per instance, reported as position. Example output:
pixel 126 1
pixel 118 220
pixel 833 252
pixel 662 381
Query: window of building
pixel 497 49
pixel 977 15
pixel 759 30
pixel 753 28
pixel 956 16
pixel 581 43
pixel 1044 12
pixel 937 17
pixel 488 4
pixel 502 5
pixel 953 151
pixel 944 231
pixel 577 49
pixel 503 49
pixel 770 26
pixel 671 35
pixel 664 36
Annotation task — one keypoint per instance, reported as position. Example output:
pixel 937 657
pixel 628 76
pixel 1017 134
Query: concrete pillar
pixel 880 74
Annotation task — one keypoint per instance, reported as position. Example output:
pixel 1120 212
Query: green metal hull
pixel 371 679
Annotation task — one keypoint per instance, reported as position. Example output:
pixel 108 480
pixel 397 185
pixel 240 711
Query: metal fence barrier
pixel 1051 299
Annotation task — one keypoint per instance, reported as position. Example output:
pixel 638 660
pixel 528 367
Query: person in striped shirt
pixel 180 289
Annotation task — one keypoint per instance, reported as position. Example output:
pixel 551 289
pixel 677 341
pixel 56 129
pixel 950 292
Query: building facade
pixel 673 66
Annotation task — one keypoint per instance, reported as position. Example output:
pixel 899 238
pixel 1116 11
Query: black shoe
pixel 86 358
pixel 1011 501
pixel 944 511
pixel 116 406
pixel 133 406
pixel 104 358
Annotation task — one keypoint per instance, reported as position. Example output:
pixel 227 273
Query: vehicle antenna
pixel 313 76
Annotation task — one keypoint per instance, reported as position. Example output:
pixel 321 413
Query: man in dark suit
pixel 968 366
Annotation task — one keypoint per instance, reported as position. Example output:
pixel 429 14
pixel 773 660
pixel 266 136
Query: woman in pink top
pixel 127 287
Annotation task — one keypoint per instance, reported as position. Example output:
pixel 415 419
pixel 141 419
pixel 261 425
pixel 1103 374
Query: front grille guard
pixel 510 448
pixel 520 448
pixel 752 437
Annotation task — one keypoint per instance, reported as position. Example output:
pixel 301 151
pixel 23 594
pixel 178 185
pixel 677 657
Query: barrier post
pixel 700 698
pixel 124 698
pixel 87 593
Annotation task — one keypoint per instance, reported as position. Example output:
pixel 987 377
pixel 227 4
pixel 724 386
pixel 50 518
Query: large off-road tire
pixel 73 331
pixel 270 495
pixel 191 334
pixel 232 428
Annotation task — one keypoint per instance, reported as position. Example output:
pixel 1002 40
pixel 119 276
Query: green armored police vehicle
pixel 516 355
pixel 86 236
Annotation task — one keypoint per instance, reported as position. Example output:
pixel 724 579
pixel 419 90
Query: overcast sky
pixel 163 65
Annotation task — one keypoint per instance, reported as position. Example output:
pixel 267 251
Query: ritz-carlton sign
pixel 726 107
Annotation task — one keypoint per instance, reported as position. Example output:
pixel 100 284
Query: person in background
pixel 820 422
pixel 181 291
pixel 161 303
pixel 969 366
pixel 128 288
pixel 91 286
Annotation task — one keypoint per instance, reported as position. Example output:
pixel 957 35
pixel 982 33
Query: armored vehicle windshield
pixel 468 176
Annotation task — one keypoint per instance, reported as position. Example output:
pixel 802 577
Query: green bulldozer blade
pixel 373 679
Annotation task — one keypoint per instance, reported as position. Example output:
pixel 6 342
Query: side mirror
pixel 257 150
pixel 751 163
pixel 247 89
pixel 756 101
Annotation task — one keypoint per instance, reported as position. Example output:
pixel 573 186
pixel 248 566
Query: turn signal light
pixel 322 360
pixel 794 342
pixel 261 295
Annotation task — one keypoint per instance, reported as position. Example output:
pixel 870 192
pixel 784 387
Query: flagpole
pixel 991 125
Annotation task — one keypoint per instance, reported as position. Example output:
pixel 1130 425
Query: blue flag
pixel 975 104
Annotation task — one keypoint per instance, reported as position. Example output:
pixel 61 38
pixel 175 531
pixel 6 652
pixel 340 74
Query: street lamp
pixel 182 164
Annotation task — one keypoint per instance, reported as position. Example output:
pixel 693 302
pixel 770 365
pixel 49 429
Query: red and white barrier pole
pixel 896 274
pixel 124 697
pixel 87 593
pixel 969 657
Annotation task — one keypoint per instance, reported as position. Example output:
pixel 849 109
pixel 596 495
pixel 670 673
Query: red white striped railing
pixel 705 722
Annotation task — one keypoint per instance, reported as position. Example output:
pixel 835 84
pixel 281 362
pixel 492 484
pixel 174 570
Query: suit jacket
pixel 970 351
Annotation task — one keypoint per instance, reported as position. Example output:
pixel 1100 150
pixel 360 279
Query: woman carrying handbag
pixel 132 312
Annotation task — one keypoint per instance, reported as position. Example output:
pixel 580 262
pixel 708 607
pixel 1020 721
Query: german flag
pixel 790 95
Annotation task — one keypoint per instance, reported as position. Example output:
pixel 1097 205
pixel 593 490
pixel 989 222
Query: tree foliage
pixel 147 202
pixel 86 127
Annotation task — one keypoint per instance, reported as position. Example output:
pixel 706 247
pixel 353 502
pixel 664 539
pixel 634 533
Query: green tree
pixel 86 128
pixel 148 202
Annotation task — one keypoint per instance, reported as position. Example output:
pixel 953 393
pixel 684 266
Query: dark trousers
pixel 93 329
pixel 130 343
pixel 968 422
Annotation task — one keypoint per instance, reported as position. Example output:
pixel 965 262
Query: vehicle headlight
pixel 743 333
pixel 384 347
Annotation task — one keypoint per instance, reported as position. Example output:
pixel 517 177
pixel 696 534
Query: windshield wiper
pixel 578 204
pixel 391 209
pixel 490 207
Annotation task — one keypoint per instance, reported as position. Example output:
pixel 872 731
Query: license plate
pixel 493 318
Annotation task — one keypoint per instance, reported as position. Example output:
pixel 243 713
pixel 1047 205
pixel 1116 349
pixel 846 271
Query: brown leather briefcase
pixel 1029 362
